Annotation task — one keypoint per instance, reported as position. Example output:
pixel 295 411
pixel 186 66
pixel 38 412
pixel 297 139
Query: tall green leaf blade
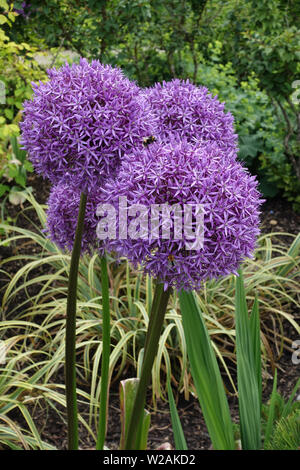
pixel 248 387
pixel 288 406
pixel 143 430
pixel 19 153
pixel 128 390
pixel 105 357
pixel 180 442
pixel 256 344
pixel 271 415
pixel 206 374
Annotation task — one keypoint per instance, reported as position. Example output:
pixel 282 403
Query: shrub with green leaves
pixel 18 69
pixel 14 172
pixel 260 132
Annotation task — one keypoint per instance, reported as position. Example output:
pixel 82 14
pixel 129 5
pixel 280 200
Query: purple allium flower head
pixel 182 173
pixel 188 111
pixel 82 120
pixel 62 213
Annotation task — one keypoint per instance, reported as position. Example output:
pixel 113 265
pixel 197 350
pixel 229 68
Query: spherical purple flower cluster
pixel 82 121
pixel 182 173
pixel 62 213
pixel 85 130
pixel 187 111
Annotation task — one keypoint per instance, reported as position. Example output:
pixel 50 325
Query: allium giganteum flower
pixel 81 122
pixel 89 119
pixel 63 207
pixel 182 173
pixel 187 111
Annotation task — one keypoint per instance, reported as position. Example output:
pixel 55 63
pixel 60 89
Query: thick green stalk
pixel 105 356
pixel 157 316
pixel 70 366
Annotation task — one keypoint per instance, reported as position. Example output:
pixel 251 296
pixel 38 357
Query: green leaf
pixel 267 188
pixel 3 19
pixel 3 189
pixel 249 146
pixel 128 390
pixel 256 344
pixel 20 154
pixel 247 364
pixel 14 144
pixel 28 166
pixel 11 15
pixel 180 442
pixel 8 112
pixel 206 374
pixel 104 390
pixel 4 4
pixel 13 171
pixel 16 196
pixel 271 415
pixel 21 179
pixel 292 253
pixel 288 406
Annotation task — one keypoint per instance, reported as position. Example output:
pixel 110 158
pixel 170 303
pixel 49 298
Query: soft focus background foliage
pixel 246 52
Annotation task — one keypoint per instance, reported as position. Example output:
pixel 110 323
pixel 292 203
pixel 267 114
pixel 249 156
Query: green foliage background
pixel 245 52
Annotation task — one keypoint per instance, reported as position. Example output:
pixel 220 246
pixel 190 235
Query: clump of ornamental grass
pixel 23 386
pixel 42 282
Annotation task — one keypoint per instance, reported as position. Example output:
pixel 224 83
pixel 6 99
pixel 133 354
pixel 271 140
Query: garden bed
pixel 277 216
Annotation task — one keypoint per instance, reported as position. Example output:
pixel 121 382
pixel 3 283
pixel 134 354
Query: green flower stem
pixel 157 315
pixel 70 366
pixel 105 356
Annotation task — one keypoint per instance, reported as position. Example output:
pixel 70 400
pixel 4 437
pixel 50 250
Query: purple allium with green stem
pixel 188 111
pixel 182 173
pixel 77 127
pixel 81 122
pixel 85 130
pixel 71 224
